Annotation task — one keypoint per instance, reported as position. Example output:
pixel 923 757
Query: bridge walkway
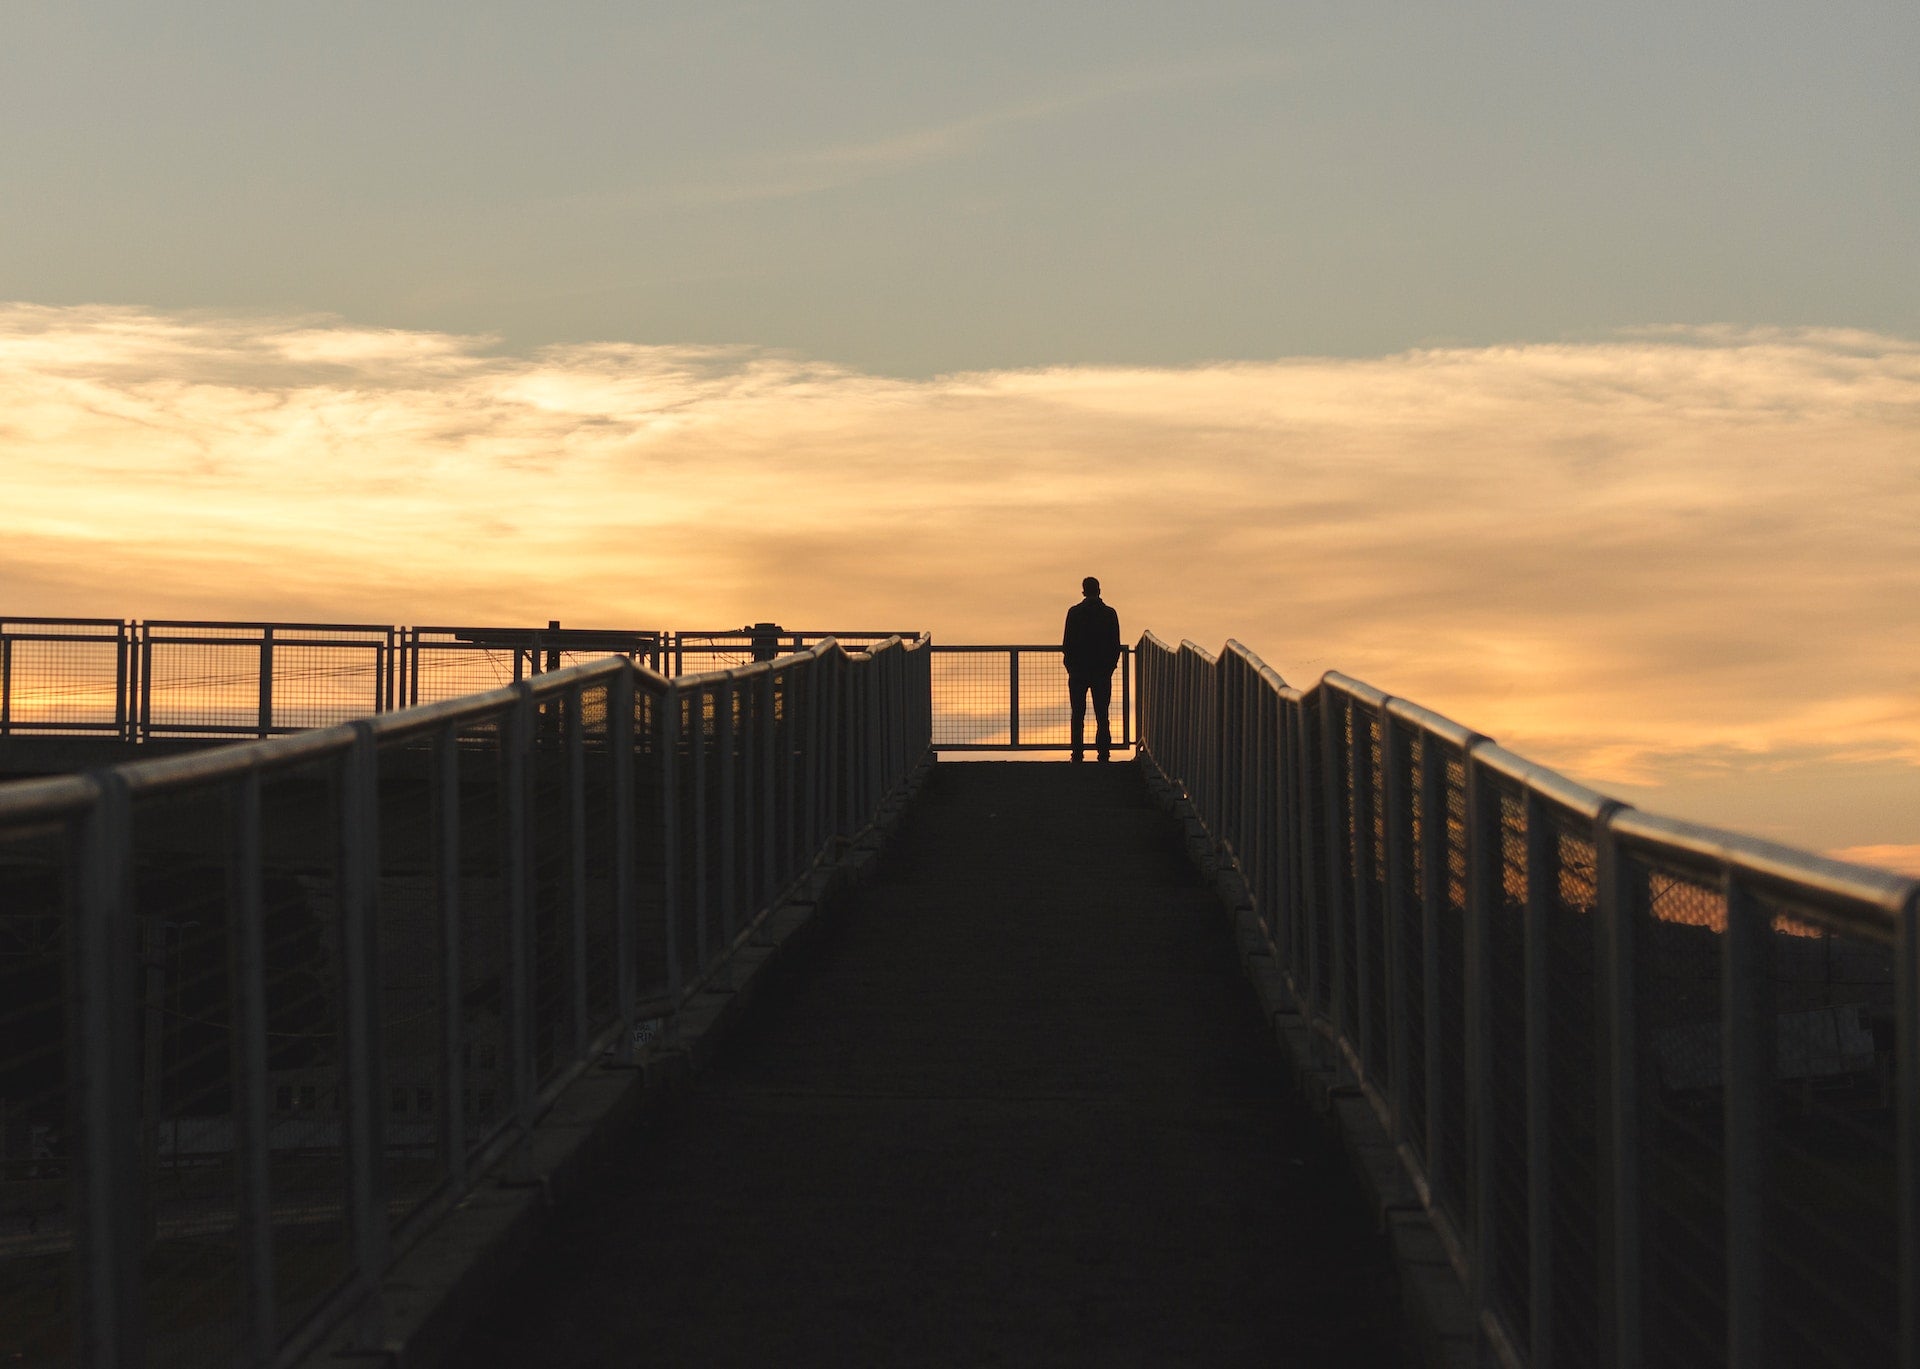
pixel 1017 1106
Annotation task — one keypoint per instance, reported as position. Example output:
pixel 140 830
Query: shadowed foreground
pixel 1016 1106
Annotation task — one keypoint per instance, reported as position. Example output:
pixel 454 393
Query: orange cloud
pixel 1680 558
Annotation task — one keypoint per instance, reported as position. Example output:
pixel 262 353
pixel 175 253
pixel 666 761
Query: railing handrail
pixel 1430 897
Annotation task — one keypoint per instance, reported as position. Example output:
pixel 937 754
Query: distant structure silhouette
pixel 1091 648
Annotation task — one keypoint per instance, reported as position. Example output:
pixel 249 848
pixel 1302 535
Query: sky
pixel 1556 368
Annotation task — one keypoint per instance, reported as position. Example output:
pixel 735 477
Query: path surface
pixel 1016 1106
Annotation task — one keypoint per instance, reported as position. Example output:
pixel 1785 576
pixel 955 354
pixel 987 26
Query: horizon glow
pixel 1677 564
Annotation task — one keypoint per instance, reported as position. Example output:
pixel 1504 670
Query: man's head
pixel 1090 587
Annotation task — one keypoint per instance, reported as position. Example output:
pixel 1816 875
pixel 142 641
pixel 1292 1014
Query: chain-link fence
pixel 1660 1083
pixel 268 1009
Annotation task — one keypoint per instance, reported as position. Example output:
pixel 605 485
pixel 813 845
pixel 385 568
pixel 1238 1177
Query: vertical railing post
pixel 1484 873
pixel 361 1004
pixel 6 687
pixel 764 781
pixel 1334 805
pixel 1013 696
pixel 576 724
pixel 122 670
pixel 1360 880
pixel 1747 1049
pixel 697 814
pixel 625 866
pixel 1621 895
pixel 265 721
pixel 1543 877
pixel 104 1032
pixel 1433 905
pixel 453 1018
pixel 667 735
pixel 145 715
pixel 1907 1125
pixel 253 1193
pixel 1397 827
pixel 519 1024
pixel 724 744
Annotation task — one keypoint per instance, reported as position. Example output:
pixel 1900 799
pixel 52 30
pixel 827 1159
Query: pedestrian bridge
pixel 673 1004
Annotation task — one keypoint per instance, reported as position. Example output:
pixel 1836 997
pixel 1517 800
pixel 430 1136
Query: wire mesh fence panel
pixel 1571 1065
pixel 37 1315
pixel 412 995
pixel 1046 704
pixel 320 685
pixel 1832 1171
pixel 1678 1006
pixel 202 686
pixel 440 669
pixel 300 910
pixel 972 699
pixel 1505 1150
pixel 58 678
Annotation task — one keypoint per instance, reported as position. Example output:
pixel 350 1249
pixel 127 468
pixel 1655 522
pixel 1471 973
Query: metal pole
pixel 1907 1062
pixel 1621 895
pixel 266 681
pixel 1360 853
pixel 518 1024
pixel 104 1036
pixel 697 815
pixel 724 743
pixel 1543 877
pixel 769 816
pixel 453 1020
pixel 1433 907
pixel 360 1000
pixel 1397 822
pixel 1013 696
pixel 252 1173
pixel 1336 810
pixel 1485 863
pixel 1747 1064
pixel 577 867
pixel 668 735
pixel 625 938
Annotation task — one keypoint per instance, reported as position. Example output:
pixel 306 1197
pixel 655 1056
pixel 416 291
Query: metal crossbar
pixel 1659 1084
pixel 267 1010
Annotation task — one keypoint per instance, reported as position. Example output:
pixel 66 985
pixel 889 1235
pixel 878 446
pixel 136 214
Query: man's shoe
pixel 1103 758
pixel 1077 758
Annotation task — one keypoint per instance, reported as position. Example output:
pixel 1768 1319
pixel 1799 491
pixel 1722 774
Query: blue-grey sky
pixel 913 189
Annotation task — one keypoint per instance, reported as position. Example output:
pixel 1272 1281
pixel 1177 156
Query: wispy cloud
pixel 1682 558
pixel 831 167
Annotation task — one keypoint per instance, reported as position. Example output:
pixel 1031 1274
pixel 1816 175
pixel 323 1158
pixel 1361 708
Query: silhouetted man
pixel 1091 646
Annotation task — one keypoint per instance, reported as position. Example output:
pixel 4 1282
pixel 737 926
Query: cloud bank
pixel 1680 557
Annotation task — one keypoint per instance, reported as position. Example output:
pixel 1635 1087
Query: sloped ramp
pixel 1016 1106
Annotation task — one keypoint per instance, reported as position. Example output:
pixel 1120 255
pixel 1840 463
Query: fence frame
pixel 868 745
pixel 1263 766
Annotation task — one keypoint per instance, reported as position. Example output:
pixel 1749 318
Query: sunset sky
pixel 1559 370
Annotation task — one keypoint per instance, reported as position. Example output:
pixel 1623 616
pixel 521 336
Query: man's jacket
pixel 1091 643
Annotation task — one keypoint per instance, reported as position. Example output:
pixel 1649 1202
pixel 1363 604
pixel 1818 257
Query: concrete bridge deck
pixel 1015 1104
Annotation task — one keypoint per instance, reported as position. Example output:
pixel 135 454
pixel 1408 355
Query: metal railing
pixel 135 680
pixel 1015 698
pixel 1657 1085
pixel 267 1010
